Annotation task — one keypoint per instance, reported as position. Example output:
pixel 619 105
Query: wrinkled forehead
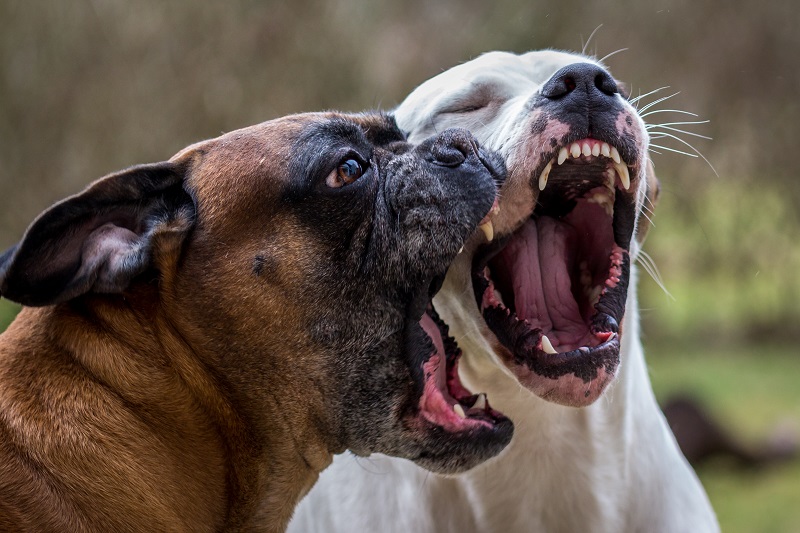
pixel 265 161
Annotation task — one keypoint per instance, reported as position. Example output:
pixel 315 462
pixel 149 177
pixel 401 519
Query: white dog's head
pixel 549 274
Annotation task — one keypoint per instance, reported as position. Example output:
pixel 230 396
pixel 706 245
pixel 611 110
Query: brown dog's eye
pixel 346 173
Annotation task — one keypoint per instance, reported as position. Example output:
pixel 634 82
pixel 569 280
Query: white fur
pixel 611 467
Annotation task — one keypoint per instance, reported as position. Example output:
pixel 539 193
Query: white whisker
pixel 684 132
pixel 650 267
pixel 612 53
pixel 634 100
pixel 648 219
pixel 682 123
pixel 673 150
pixel 695 150
pixel 668 111
pixel 658 101
pixel 586 44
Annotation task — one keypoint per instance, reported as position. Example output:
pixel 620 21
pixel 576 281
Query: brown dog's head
pixel 551 286
pixel 298 259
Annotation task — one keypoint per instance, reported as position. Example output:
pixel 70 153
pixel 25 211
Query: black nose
pixel 580 80
pixel 452 147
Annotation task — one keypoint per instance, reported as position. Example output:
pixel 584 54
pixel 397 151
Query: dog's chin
pixel 553 292
pixel 454 428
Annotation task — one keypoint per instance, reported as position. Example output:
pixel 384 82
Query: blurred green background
pixel 89 87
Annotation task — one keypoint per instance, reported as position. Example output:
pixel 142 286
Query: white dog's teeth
pixel 624 175
pixel 459 410
pixel 586 150
pixel 605 149
pixel 488 230
pixel 596 150
pixel 461 249
pixel 480 403
pixel 615 155
pixel 562 155
pixel 547 346
pixel 544 175
pixel 575 150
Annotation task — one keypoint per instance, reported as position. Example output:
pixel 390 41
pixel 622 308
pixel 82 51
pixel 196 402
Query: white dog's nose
pixel 580 80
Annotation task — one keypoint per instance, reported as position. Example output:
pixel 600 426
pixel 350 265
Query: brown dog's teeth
pixel 480 403
pixel 459 410
pixel 488 230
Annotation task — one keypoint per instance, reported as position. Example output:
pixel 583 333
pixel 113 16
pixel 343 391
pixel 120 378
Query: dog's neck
pixel 238 459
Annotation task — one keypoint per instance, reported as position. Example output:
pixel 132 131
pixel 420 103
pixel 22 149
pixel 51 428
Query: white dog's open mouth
pixel 553 292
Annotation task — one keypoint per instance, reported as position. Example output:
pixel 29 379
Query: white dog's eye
pixel 464 107
pixel 347 172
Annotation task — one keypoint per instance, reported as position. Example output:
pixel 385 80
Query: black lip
pixel 584 362
pixel 523 342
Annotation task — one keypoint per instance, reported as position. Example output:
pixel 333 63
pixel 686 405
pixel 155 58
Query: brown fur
pixel 196 400
pixel 156 386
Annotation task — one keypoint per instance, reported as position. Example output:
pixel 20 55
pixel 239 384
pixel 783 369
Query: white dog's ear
pixel 652 192
pixel 98 240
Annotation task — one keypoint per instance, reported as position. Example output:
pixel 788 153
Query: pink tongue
pixel 540 266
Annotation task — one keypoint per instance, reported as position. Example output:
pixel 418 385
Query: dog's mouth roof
pixel 445 401
pixel 554 291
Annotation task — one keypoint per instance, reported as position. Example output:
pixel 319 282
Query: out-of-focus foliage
pixel 92 86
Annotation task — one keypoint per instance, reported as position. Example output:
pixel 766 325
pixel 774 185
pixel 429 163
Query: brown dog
pixel 204 333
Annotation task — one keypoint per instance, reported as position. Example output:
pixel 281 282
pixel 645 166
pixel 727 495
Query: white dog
pixel 537 301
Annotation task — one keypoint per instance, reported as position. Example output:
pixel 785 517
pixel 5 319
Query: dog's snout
pixel 583 79
pixel 453 146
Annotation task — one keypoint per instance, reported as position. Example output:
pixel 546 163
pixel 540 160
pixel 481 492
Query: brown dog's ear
pixel 651 199
pixel 98 240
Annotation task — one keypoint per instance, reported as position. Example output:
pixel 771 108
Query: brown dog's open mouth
pixel 445 401
pixel 553 292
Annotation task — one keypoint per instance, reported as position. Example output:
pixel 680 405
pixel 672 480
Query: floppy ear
pixel 651 199
pixel 98 240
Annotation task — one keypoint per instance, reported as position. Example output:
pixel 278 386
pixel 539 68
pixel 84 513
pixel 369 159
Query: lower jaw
pixel 567 389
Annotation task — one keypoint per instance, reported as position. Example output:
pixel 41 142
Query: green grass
pixel 752 390
pixel 8 311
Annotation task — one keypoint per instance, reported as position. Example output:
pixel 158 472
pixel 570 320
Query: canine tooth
pixel 480 403
pixel 488 230
pixel 575 150
pixel 605 150
pixel 562 155
pixel 586 149
pixel 547 346
pixel 544 175
pixel 461 249
pixel 624 175
pixel 459 410
pixel 615 155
